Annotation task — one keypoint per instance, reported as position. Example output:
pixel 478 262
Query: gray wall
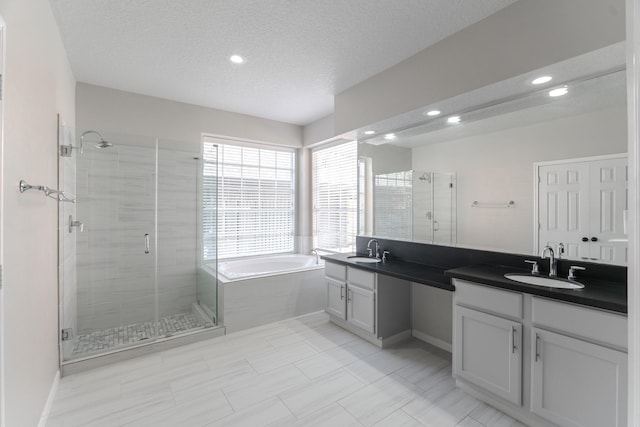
pixel 527 35
pixel 38 84
pixel 432 314
pixel 109 109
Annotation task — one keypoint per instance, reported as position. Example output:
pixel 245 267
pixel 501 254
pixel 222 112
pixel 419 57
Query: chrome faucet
pixel 377 251
pixel 553 263
pixel 315 252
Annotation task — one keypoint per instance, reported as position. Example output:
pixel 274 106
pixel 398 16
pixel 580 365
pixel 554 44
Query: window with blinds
pixel 393 205
pixel 335 197
pixel 256 199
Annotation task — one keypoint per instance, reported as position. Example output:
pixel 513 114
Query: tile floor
pixel 298 372
pixel 99 341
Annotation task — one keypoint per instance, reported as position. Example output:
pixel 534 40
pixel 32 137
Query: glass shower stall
pixel 132 269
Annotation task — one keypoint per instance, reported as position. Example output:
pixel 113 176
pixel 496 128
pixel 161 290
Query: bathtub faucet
pixel 315 252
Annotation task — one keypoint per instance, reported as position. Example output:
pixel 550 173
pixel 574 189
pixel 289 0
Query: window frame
pixel 292 211
pixel 352 211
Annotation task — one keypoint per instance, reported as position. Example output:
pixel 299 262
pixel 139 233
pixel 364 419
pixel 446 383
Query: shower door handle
pixel 146 243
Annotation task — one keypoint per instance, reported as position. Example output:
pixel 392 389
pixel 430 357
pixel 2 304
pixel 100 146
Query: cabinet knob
pixel 594 239
pixel 585 239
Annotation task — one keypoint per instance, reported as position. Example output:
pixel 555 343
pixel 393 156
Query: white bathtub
pixel 253 268
pixel 254 292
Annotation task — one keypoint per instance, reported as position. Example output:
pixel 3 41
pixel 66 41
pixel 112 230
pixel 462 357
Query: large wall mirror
pixel 485 165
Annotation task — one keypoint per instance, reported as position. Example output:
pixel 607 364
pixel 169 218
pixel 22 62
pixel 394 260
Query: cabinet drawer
pixel 335 271
pixel 364 279
pixel 596 325
pixel 490 299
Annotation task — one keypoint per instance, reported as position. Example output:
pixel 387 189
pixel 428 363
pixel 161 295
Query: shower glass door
pixel 113 302
pixel 132 260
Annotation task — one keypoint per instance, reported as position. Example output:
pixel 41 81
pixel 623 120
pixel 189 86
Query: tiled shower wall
pixel 116 191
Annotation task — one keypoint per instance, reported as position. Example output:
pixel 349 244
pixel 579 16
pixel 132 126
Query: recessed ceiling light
pixel 236 59
pixel 433 113
pixel 453 119
pixel 390 136
pixel 541 80
pixel 559 91
pixel 369 132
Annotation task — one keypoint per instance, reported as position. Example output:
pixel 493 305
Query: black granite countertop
pixel 608 295
pixel 418 273
pixel 598 293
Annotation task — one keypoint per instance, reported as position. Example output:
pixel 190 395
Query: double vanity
pixel 548 356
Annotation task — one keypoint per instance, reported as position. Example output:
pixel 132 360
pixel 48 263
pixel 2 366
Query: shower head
pixel 425 177
pixel 101 144
pixel 104 144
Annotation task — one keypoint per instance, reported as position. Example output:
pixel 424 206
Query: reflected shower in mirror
pixel 412 205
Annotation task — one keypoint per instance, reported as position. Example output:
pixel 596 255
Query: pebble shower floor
pixel 107 339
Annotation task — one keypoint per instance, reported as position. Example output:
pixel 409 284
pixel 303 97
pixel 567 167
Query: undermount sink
pixel 544 281
pixel 363 259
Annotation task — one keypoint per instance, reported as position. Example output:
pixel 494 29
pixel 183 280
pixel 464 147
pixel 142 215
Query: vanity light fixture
pixel 236 59
pixel 369 132
pixel 390 136
pixel 559 91
pixel 433 113
pixel 453 119
pixel 541 80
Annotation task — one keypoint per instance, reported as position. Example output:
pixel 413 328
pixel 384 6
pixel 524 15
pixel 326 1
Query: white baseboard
pixel 437 342
pixel 49 403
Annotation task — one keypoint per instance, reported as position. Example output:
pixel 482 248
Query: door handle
pixel 514 348
pixel 146 243
pixel 341 292
pixel 537 347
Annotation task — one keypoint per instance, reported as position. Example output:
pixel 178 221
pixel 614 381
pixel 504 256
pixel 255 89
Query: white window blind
pixel 393 205
pixel 335 197
pixel 256 194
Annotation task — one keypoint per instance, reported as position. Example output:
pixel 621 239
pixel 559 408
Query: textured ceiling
pixel 300 53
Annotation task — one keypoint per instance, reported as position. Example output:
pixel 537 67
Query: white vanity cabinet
pixel 543 361
pixel 488 339
pixel 335 297
pixel 361 307
pixel 579 365
pixel 373 306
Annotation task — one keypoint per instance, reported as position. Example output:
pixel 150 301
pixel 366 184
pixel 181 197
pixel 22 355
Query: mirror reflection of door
pixel 582 206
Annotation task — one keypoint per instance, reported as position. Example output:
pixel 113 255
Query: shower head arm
pixel 85 134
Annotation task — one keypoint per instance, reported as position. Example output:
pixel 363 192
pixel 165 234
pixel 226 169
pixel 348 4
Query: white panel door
pixel 608 203
pixel 563 208
pixel 335 298
pixel 576 383
pixel 361 308
pixel 488 352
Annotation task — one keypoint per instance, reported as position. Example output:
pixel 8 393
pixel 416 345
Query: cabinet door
pixel 488 352
pixel 361 308
pixel 576 383
pixel 335 300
